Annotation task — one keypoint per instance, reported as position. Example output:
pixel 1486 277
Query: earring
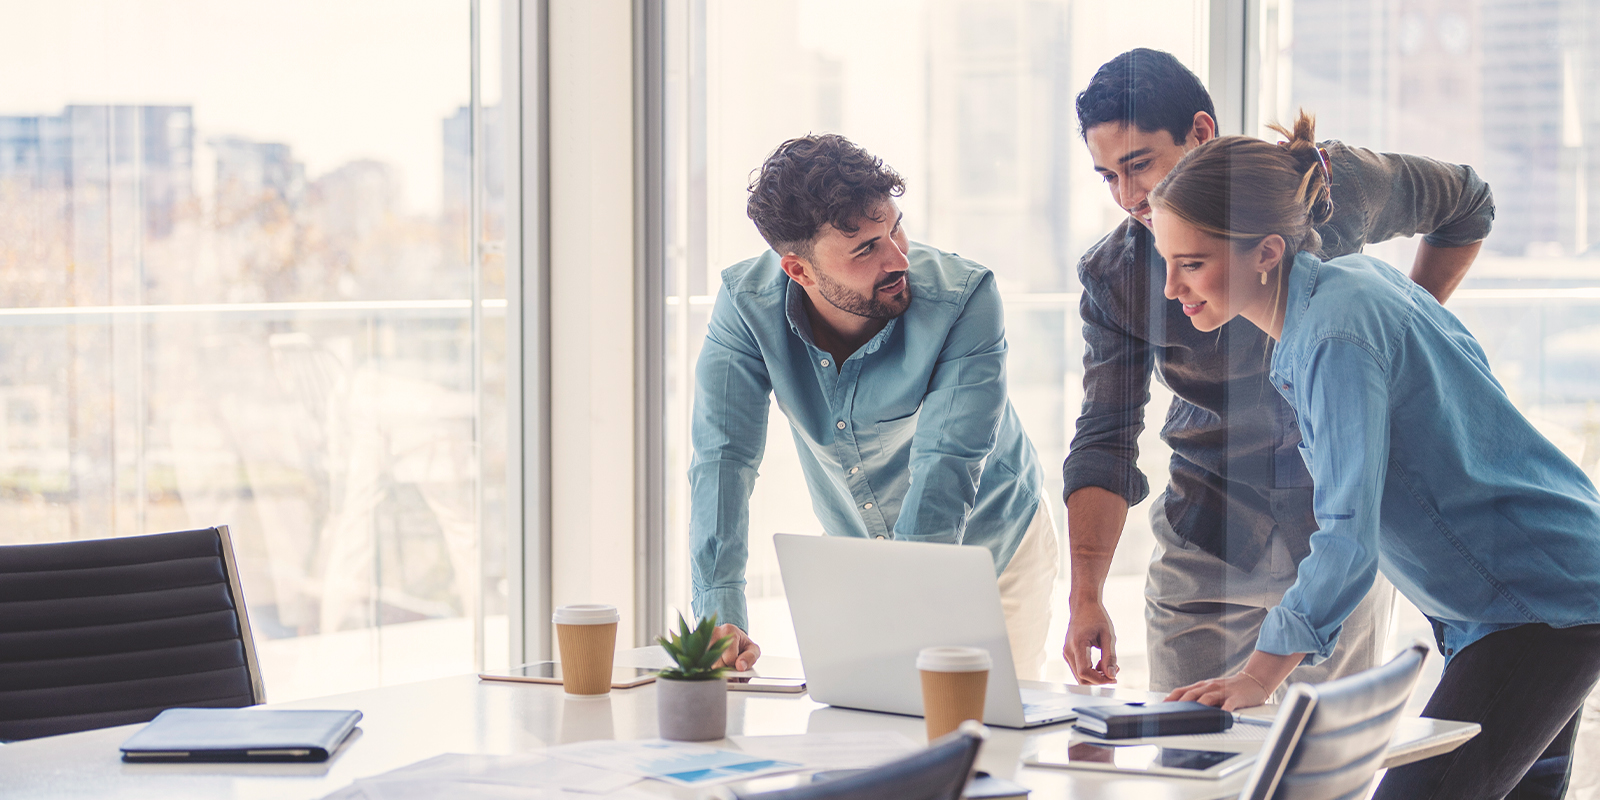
pixel 1263 279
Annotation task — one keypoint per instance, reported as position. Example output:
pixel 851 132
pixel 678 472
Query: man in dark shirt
pixel 1236 518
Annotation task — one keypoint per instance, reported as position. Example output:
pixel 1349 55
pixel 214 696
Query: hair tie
pixel 1327 171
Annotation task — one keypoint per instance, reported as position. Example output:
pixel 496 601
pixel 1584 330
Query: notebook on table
pixel 1138 720
pixel 240 734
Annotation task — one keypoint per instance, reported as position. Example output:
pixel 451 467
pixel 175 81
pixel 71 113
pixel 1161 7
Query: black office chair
pixel 1330 738
pixel 109 632
pixel 940 772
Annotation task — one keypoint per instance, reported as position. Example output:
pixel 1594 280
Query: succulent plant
pixel 694 651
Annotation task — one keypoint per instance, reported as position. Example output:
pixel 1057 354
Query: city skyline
pixel 339 83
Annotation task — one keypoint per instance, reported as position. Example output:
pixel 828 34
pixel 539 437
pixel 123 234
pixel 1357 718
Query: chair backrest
pixel 107 632
pixel 940 772
pixel 1329 739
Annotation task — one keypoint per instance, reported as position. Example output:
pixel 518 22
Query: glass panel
pixel 972 101
pixel 1512 88
pixel 237 290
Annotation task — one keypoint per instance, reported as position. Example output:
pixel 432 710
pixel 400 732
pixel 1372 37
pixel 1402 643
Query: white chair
pixel 1329 738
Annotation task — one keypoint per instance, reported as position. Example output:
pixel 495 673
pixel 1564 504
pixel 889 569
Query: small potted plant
pixel 691 696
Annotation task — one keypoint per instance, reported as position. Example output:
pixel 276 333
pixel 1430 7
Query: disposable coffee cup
pixel 588 637
pixel 954 680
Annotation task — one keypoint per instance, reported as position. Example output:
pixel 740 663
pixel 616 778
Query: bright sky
pixel 336 80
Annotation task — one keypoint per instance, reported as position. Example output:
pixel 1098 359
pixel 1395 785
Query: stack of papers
pixel 674 762
pixel 532 776
pixel 830 750
pixel 609 769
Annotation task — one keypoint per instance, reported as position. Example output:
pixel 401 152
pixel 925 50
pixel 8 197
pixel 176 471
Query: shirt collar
pixel 1302 285
pixel 795 309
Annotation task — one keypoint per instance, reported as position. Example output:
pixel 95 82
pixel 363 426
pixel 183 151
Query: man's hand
pixel 1095 517
pixel 742 653
pixel 1090 627
pixel 1231 693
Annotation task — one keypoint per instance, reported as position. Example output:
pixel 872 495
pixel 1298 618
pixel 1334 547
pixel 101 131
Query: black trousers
pixel 1525 686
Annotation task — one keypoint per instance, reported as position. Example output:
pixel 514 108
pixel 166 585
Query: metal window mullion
pixel 475 325
pixel 526 117
pixel 650 355
pixel 1234 65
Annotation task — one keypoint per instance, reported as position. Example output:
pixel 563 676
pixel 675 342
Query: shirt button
pixel 840 426
pixel 854 470
pixel 877 537
pixel 824 362
pixel 869 505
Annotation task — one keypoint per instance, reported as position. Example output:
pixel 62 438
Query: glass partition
pixel 1508 87
pixel 973 103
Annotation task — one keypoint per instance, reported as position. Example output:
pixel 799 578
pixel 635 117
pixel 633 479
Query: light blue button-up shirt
pixel 912 437
pixel 1423 469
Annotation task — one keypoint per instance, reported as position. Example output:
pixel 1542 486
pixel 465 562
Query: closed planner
pixel 1152 719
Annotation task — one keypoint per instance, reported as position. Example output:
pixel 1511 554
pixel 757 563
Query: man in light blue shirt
pixel 889 360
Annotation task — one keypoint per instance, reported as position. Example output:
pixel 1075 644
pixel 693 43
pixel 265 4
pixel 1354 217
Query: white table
pixel 405 724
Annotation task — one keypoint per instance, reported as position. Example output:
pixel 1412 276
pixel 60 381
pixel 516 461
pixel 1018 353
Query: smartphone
pixel 1137 758
pixel 550 672
pixel 750 683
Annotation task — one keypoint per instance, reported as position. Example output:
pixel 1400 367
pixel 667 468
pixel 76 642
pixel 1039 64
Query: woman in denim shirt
pixel 1423 469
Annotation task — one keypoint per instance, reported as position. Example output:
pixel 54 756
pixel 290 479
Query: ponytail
pixel 1316 180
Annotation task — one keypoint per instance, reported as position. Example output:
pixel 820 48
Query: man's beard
pixel 870 307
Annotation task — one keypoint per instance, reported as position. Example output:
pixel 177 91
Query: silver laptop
pixel 864 608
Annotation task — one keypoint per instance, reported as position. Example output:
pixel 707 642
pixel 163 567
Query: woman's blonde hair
pixel 1243 189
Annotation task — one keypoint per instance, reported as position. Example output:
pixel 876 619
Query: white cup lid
pixel 953 659
pixel 586 614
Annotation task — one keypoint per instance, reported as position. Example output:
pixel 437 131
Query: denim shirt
pixel 1423 469
pixel 913 437
pixel 1235 474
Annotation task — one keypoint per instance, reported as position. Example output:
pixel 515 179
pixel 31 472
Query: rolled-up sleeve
pixel 959 421
pixel 1404 195
pixel 1116 388
pixel 1344 406
pixel 728 431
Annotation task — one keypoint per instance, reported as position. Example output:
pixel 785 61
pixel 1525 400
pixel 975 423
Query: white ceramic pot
pixel 692 711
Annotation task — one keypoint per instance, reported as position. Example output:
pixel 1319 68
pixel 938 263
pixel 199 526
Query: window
pixel 238 288
pixel 973 103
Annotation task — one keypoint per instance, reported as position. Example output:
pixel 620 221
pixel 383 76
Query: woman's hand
pixel 1231 693
pixel 1250 687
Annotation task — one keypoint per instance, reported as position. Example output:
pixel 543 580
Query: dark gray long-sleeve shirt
pixel 1236 473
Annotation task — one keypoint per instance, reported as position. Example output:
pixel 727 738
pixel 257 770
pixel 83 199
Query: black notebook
pixel 240 734
pixel 1152 719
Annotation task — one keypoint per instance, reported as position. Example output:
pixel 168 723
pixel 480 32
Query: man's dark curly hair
pixel 817 180
pixel 1147 88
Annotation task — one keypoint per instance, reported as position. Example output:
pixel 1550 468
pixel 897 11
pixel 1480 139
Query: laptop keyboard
pixel 1039 704
pixel 1042 704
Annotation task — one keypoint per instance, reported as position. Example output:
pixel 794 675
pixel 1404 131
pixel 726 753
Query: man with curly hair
pixel 888 359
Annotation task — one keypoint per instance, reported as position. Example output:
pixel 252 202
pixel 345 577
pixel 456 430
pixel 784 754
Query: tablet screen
pixel 1133 757
pixel 552 671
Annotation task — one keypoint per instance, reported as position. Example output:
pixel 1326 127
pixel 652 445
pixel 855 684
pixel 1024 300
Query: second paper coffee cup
pixel 587 634
pixel 954 680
